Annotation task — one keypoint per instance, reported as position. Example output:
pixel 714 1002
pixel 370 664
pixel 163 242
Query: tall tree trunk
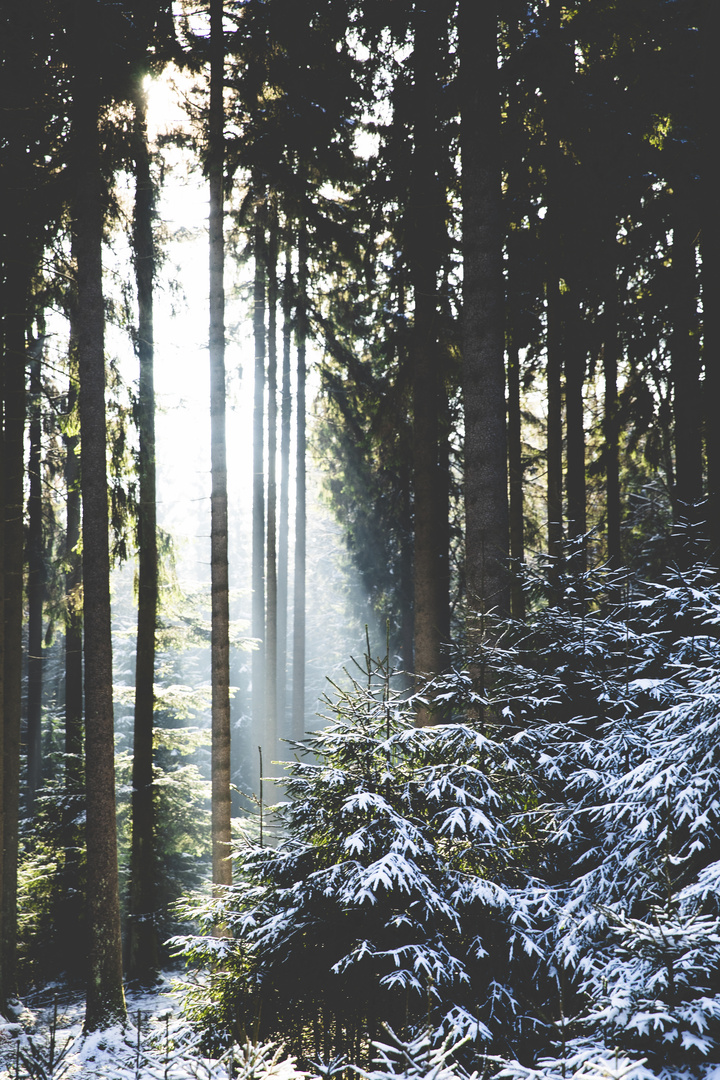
pixel 72 895
pixel 17 289
pixel 257 626
pixel 4 312
pixel 486 498
pixel 574 412
pixel 220 608
pixel 298 699
pixel 516 506
pixel 553 299
pixel 35 584
pixel 710 273
pixel 271 621
pixel 142 943
pixel 554 413
pixel 685 368
pixel 424 242
pixel 16 319
pixel 611 349
pixel 284 514
pixel 105 997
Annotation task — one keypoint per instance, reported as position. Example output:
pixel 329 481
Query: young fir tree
pixel 405 873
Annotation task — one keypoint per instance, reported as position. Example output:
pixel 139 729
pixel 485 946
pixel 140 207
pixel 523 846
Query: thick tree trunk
pixel 284 512
pixel 220 609
pixel 4 310
pixel 298 699
pixel 486 497
pixel 425 241
pixel 142 943
pixel 105 998
pixel 257 626
pixel 271 621
pixel 35 584
pixel 710 273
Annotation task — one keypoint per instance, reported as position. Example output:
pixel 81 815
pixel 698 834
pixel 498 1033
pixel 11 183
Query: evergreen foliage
pixel 404 875
pixel 538 876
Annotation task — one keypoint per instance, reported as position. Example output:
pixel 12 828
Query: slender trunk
pixel 516 506
pixel 35 584
pixel 298 701
pixel 284 518
pixel 72 895
pixel 553 298
pixel 271 621
pixel 105 998
pixel 685 367
pixel 405 583
pixel 611 348
pixel 220 608
pixel 425 241
pixel 554 415
pixel 17 292
pixel 142 943
pixel 258 519
pixel 486 498
pixel 574 410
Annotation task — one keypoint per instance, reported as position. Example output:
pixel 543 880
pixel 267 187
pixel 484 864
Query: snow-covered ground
pixel 47 1043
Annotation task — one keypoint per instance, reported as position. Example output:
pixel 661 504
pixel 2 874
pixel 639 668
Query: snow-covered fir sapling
pixel 636 932
pixel 400 895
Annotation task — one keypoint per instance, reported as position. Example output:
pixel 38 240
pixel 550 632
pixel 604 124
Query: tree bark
pixel 17 290
pixel 553 298
pixel 284 514
pixel 4 311
pixel 220 609
pixel 611 349
pixel 35 583
pixel 710 272
pixel 685 369
pixel 258 519
pixel 105 998
pixel 486 497
pixel 516 508
pixel 574 412
pixel 425 241
pixel 73 896
pixel 142 943
pixel 271 583
pixel 298 700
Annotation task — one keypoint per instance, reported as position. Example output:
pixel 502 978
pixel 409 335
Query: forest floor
pixel 46 1042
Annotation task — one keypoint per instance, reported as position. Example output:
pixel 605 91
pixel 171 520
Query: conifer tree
pixel 142 948
pixel 486 505
pixel 105 997
pixel 220 632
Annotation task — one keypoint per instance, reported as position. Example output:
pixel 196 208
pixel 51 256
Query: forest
pixel 360 473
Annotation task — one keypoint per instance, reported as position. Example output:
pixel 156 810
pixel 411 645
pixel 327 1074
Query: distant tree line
pixel 494 221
